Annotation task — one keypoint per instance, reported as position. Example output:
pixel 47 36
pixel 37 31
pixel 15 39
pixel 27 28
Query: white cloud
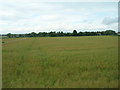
pixel 62 27
pixel 110 20
pixel 31 15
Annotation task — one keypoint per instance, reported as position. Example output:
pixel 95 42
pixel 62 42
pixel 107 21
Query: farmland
pixel 60 62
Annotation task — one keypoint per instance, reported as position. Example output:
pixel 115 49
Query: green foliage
pixel 109 32
pixel 9 35
pixel 75 33
pixel 61 34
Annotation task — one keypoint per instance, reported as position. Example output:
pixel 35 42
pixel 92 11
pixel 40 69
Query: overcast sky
pixel 25 16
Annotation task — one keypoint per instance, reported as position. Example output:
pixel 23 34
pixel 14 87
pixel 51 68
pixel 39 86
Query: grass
pixel 61 62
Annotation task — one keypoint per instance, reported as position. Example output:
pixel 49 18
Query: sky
pixel 25 16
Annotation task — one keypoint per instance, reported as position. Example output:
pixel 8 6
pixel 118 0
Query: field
pixel 60 62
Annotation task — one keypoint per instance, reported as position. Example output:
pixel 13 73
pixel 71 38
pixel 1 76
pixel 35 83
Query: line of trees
pixel 61 34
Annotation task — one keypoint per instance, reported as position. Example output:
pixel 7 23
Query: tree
pixel 80 34
pixel 75 33
pixel 9 35
pixel 68 34
pixel 62 34
pixel 33 34
pixel 110 32
pixel 52 34
pixel 39 34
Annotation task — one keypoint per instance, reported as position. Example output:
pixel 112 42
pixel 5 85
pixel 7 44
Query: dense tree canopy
pixel 75 33
pixel 61 34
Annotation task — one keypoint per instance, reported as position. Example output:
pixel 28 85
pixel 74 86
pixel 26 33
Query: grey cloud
pixel 109 20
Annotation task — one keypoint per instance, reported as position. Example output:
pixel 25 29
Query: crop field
pixel 60 62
